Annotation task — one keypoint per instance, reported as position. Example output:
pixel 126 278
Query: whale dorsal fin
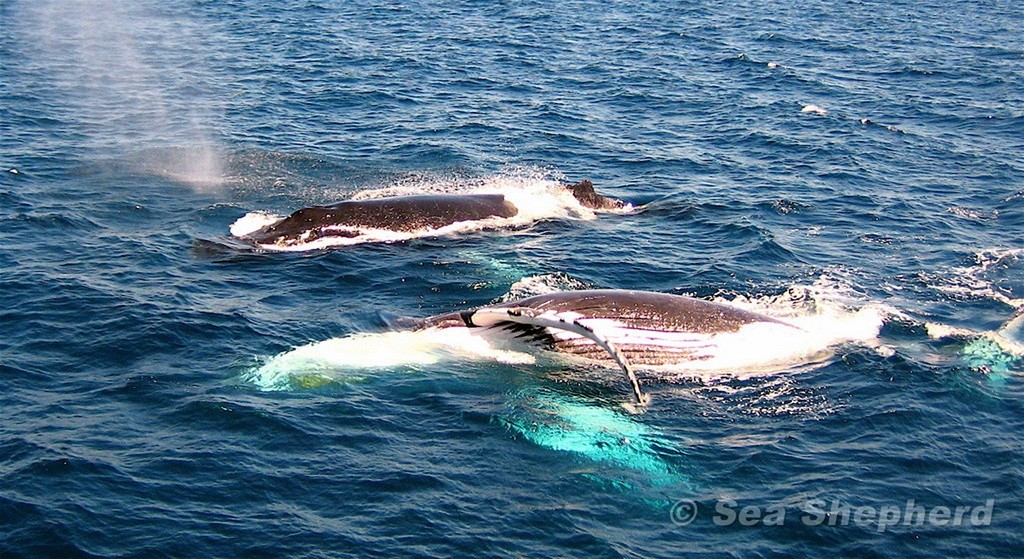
pixel 493 316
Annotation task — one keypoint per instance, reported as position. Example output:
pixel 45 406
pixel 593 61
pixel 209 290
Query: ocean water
pixel 854 166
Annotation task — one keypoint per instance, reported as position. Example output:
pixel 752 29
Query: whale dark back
pixel 647 310
pixel 402 213
pixel 640 310
pixel 409 213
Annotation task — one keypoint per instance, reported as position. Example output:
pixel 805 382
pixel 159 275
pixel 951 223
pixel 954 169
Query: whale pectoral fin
pixel 495 316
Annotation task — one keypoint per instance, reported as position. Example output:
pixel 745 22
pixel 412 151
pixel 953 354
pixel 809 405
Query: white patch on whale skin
pixel 623 335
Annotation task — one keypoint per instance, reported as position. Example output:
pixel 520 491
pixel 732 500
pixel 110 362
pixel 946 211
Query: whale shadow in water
pixel 401 214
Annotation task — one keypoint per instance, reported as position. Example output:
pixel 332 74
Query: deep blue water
pixel 132 135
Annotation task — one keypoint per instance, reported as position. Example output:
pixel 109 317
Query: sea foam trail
pixel 998 350
pixel 535 198
pixel 975 281
pixel 821 325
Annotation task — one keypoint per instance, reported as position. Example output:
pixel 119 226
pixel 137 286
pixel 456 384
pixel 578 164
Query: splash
pixel 252 222
pixel 975 282
pixel 827 314
pixel 998 351
pixel 543 284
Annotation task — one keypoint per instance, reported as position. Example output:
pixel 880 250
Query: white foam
pixel 826 314
pixel 1014 328
pixel 814 109
pixel 542 284
pixel 974 281
pixel 252 222
pixel 534 196
pixel 1006 338
pixel 937 331
pixel 971 281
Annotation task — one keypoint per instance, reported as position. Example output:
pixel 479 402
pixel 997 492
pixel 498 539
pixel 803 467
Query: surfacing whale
pixel 403 214
pixel 627 327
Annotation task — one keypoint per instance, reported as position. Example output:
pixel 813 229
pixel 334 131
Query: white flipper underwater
pixel 599 433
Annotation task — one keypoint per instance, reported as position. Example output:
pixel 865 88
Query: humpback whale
pixel 403 214
pixel 625 327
